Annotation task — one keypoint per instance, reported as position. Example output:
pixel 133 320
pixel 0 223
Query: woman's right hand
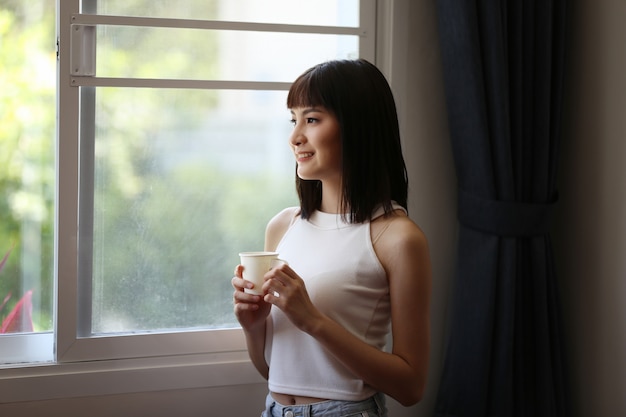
pixel 250 309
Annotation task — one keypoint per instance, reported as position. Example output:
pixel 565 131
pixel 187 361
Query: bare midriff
pixel 286 399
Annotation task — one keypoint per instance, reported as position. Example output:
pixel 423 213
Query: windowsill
pixel 35 382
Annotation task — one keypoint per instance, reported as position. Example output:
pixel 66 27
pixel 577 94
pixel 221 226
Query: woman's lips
pixel 303 156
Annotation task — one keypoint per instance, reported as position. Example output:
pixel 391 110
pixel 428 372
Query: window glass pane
pixel 184 181
pixel 27 134
pixel 303 12
pixel 139 52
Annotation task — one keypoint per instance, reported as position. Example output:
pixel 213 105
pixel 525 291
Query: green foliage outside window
pixel 27 129
pixel 168 261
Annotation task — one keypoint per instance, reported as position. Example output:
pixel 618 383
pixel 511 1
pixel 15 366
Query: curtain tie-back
pixel 504 218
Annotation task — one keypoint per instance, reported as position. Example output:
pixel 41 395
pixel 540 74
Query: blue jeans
pixel 371 407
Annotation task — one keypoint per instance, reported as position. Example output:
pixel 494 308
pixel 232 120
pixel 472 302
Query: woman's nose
pixel 296 138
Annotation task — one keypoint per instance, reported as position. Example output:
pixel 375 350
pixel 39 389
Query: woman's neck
pixel 331 198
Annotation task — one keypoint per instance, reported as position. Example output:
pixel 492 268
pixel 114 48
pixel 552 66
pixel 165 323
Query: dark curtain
pixel 503 71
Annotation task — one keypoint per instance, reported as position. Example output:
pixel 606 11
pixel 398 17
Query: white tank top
pixel 345 281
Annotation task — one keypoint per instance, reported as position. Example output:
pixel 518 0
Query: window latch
pixel 83 50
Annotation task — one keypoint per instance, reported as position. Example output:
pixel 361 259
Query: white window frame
pixel 106 365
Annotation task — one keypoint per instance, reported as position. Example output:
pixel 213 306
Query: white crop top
pixel 345 281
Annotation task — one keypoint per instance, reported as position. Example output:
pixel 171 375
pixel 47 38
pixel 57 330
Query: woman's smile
pixel 303 156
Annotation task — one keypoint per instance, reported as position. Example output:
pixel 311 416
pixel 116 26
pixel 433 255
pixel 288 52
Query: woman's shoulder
pixel 278 225
pixel 285 217
pixel 397 230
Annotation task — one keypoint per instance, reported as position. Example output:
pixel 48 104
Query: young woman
pixel 358 264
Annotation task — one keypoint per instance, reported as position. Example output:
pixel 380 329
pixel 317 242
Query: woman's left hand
pixel 284 288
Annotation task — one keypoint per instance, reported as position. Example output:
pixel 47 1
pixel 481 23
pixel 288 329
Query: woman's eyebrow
pixel 309 110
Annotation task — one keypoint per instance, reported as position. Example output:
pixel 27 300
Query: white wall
pixel 590 233
pixel 418 89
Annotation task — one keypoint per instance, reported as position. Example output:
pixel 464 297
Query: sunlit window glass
pixel 140 52
pixel 184 180
pixel 301 12
pixel 27 175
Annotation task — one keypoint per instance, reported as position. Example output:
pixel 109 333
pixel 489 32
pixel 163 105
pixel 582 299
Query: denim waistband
pixel 370 407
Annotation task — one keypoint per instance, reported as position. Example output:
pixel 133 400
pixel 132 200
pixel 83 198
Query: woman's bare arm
pixel 252 310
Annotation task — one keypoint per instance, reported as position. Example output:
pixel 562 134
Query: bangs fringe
pixel 304 92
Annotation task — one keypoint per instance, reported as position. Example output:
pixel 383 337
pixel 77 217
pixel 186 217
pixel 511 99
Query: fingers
pixel 271 297
pixel 281 275
pixel 279 284
pixel 244 301
pixel 285 270
pixel 276 282
pixel 237 281
pixel 239 271
pixel 240 284
pixel 241 306
pixel 240 295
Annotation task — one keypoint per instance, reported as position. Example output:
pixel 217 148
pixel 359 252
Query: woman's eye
pixel 308 120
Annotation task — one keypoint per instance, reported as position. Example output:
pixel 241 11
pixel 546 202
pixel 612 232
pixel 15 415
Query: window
pixel 172 157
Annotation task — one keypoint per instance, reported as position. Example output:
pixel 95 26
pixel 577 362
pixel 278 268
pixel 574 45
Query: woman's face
pixel 316 144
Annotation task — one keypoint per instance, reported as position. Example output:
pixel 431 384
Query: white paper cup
pixel 255 265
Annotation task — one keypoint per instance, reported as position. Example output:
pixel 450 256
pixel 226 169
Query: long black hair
pixel 374 172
